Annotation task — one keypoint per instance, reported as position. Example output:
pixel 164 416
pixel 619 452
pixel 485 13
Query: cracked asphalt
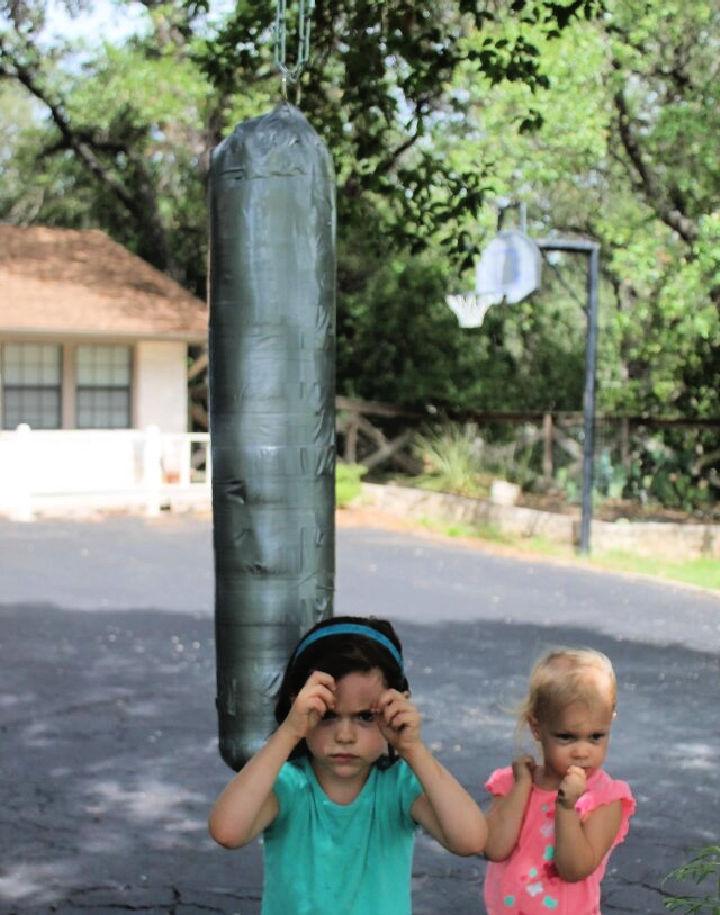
pixel 108 732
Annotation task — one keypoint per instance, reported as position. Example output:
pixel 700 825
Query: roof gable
pixel 80 281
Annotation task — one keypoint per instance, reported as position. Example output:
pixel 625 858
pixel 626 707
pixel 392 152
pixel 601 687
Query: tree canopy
pixel 602 117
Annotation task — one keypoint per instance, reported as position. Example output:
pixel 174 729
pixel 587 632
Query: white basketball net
pixel 509 269
pixel 471 308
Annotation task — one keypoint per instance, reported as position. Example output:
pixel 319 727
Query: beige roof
pixel 68 281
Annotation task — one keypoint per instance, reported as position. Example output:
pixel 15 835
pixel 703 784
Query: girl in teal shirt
pixel 339 788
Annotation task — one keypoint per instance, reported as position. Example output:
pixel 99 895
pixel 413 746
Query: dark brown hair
pixel 338 655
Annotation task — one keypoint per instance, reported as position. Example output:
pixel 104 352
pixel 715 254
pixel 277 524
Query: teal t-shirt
pixel 323 858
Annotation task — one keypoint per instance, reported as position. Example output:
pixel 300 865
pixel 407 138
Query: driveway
pixel 108 727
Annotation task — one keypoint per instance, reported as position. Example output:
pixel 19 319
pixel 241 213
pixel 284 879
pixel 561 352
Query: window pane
pixel 38 407
pixel 12 364
pixel 85 362
pixel 31 363
pixel 103 408
pixel 50 365
pixel 103 365
pixel 31 377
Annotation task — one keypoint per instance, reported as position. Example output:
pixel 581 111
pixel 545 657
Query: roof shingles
pixel 67 281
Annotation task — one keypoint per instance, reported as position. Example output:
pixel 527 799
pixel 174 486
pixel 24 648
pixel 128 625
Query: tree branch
pixel 654 194
pixel 142 206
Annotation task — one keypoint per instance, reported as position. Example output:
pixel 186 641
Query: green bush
pixel 347 483
pixel 451 458
pixel 702 868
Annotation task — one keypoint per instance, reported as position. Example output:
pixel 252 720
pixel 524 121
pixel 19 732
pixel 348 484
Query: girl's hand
pixel 311 704
pixel 398 720
pixel 572 787
pixel 523 769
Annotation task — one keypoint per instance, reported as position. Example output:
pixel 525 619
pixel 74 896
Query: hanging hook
pixel 291 74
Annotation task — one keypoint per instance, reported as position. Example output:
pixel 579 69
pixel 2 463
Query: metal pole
pixel 592 250
pixel 589 400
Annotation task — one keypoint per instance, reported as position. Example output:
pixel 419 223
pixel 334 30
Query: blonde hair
pixel 565 675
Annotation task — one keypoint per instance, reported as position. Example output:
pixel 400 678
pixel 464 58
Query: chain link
pixel 291 74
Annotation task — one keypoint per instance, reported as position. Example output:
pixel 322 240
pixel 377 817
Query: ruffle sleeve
pixel 500 782
pixel 606 792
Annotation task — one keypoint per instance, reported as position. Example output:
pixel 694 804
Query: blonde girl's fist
pixel 523 769
pixel 398 720
pixel 311 704
pixel 572 787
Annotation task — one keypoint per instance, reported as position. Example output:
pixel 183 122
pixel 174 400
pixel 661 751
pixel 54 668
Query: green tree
pixel 120 140
pixel 125 139
pixel 623 154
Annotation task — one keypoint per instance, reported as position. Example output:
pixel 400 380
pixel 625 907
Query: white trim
pixel 68 471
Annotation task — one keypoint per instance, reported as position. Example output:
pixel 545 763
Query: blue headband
pixel 350 629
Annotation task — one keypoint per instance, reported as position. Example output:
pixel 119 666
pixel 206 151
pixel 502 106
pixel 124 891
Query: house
pixel 91 336
pixel 92 339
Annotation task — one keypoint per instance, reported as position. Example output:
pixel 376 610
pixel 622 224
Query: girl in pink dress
pixel 553 824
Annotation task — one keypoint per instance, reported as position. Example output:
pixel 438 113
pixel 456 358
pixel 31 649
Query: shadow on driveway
pixel 110 761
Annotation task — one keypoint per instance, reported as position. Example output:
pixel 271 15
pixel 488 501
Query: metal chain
pixel 291 74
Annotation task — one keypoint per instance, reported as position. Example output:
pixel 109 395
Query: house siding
pixel 160 396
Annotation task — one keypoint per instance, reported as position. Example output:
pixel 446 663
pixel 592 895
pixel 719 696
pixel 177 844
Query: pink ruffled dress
pixel 527 883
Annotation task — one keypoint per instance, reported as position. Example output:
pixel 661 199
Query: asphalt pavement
pixel 108 733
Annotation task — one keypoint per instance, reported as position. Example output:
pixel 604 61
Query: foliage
pixel 347 483
pixel 608 162
pixel 670 472
pixel 666 469
pixel 603 118
pixel 120 144
pixel 405 364
pixel 451 458
pixel 702 868
pixel 457 459
pixel 376 86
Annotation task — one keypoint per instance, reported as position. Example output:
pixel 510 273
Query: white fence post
pixel 152 470
pixel 186 461
pixel 22 507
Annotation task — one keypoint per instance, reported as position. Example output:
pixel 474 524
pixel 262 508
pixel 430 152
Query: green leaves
pixel 703 867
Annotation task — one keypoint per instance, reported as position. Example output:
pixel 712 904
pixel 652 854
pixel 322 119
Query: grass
pixel 347 483
pixel 486 532
pixel 476 486
pixel 704 572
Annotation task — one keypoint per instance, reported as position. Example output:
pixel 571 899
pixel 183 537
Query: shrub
pixel 451 459
pixel 702 868
pixel 347 483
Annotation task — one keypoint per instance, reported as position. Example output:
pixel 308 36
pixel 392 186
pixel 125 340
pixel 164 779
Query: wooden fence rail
pixel 379 434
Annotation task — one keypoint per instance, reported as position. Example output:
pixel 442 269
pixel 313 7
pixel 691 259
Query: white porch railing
pixel 67 471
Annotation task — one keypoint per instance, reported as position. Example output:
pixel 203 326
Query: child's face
pixel 577 735
pixel 347 741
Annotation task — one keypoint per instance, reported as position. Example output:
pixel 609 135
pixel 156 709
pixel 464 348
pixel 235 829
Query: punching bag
pixel 272 410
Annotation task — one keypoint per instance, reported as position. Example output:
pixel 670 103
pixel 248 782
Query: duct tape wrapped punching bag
pixel 272 409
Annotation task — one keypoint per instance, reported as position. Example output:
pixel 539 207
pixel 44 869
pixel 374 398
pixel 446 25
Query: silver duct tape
pixel 269 462
pixel 272 422
pixel 261 429
pixel 269 602
pixel 273 544
pixel 247 494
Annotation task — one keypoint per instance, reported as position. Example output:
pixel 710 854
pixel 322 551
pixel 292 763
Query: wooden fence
pixel 380 435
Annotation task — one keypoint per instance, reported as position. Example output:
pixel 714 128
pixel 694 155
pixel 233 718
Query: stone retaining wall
pixel 646 538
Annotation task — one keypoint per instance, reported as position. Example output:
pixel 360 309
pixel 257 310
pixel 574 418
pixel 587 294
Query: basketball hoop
pixel 470 309
pixel 508 270
pixel 509 265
